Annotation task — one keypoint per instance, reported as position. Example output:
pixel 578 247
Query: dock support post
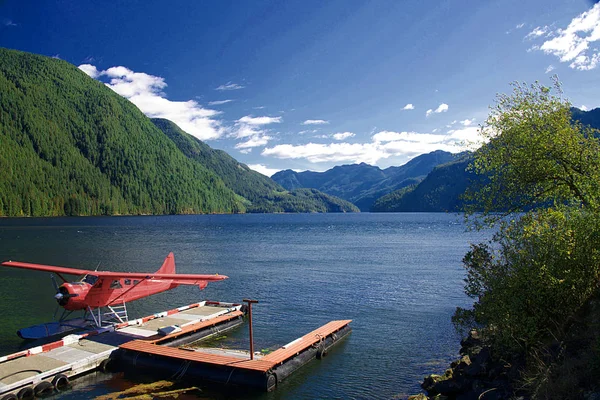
pixel 250 302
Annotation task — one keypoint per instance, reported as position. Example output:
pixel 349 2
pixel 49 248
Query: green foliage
pixel 71 146
pixel 543 268
pixel 536 155
pixel 542 169
pixel 257 192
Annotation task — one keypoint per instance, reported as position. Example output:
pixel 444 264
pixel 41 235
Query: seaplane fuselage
pixel 106 288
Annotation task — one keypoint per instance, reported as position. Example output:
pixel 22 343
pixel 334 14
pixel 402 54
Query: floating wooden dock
pixel 229 367
pixel 42 369
pixel 151 345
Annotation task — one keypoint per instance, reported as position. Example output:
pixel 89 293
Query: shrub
pixel 538 271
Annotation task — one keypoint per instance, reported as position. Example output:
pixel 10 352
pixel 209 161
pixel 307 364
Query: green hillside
pixel 439 191
pixel 257 192
pixel 71 146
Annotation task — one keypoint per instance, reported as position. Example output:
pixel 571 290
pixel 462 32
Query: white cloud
pixel 145 91
pixel 517 27
pixel 383 145
pixel 537 32
pixel 8 22
pixel 343 135
pixel 441 108
pixel 583 108
pixel 257 121
pixel 250 129
pixel 466 138
pixel 409 106
pixel 467 122
pixel 230 86
pixel 549 69
pixel 91 70
pixel 333 152
pixel 263 169
pixel 255 141
pixel 218 102
pixel 572 44
pixel 315 122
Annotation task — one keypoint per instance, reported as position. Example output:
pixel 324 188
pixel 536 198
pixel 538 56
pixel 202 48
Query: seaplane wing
pixel 182 279
pixel 47 268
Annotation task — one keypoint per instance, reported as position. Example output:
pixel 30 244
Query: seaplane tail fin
pixel 168 266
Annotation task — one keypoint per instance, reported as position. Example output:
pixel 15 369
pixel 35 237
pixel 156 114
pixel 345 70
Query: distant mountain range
pixel 71 146
pixel 363 184
pixel 439 191
pixel 257 192
pixel 431 182
pixel 590 118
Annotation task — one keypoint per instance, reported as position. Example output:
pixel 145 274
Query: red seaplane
pixel 105 292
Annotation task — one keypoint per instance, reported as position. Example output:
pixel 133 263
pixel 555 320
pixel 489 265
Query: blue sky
pixel 313 84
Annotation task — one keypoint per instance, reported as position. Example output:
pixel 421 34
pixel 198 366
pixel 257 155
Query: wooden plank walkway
pixel 195 356
pixel 264 364
pixel 293 348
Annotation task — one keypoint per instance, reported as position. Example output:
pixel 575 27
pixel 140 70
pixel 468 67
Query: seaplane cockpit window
pixel 127 282
pixel 91 279
pixel 116 284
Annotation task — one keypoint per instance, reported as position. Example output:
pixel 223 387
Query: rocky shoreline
pixel 477 375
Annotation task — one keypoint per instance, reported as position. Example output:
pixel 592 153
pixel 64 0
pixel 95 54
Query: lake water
pixel 397 276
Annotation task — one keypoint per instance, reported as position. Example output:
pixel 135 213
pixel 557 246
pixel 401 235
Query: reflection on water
pixel 398 276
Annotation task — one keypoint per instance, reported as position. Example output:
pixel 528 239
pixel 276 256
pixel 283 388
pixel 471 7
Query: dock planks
pixel 263 364
pixel 310 339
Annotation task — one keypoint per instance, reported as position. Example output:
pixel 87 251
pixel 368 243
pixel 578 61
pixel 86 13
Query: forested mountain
pixel 591 117
pixel 257 192
pixel 361 183
pixel 442 188
pixel 439 191
pixel 71 146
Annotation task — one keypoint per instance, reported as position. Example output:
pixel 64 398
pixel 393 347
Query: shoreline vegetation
pixel 534 328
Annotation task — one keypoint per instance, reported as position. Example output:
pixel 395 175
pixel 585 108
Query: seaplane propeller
pixel 62 295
